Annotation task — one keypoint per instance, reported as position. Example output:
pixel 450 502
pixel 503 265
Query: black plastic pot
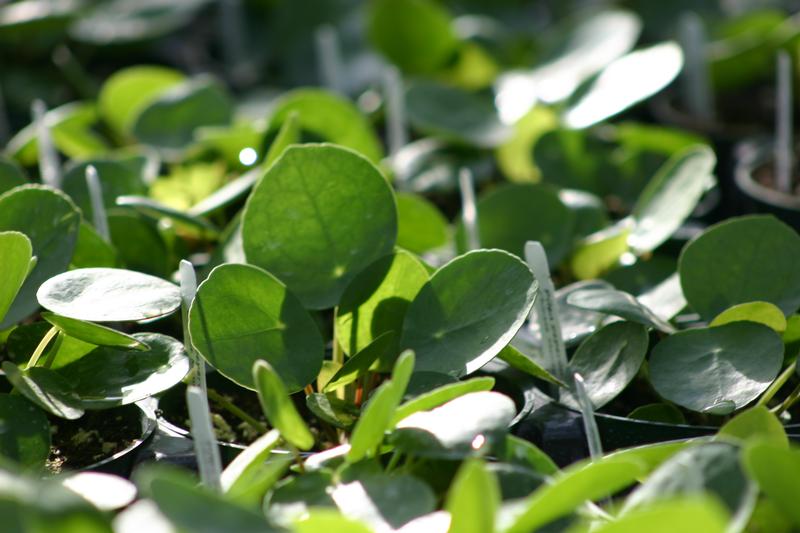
pixel 752 196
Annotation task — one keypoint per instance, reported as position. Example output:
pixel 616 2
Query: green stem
pixel 226 404
pixel 777 384
pixel 51 354
pixel 396 456
pixel 37 353
pixel 788 402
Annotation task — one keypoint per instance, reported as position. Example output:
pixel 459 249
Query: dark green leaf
pixel 47 389
pixel 93 333
pixel 24 432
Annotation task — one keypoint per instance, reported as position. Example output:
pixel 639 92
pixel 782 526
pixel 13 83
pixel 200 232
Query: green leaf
pixel 421 227
pixel 320 214
pixel 473 499
pixel 617 303
pixel 505 221
pixel 774 468
pixel 328 408
pixel 744 259
pixel 50 220
pixel 468 312
pixel 93 333
pixel 316 520
pixel 375 302
pixel 92 251
pixel 441 395
pixel 11 174
pixel 608 361
pixel 670 197
pixel 710 468
pixel 16 251
pixel 694 514
pixel 47 389
pixel 158 210
pixel 278 406
pixel 328 116
pixel 416 35
pixel 625 82
pixel 108 295
pixel 357 365
pixel 760 312
pixel 255 470
pixel 520 452
pixel 294 498
pixel 519 361
pixel 755 423
pixel 658 412
pixel 376 416
pixel 242 314
pixel 599 252
pixel 455 115
pixel 169 121
pixel 139 242
pixel 126 92
pixel 190 507
pixel 467 425
pixel 127 375
pixel 706 368
pixel 25 435
pixel 570 488
pixel 23 340
pixel 384 502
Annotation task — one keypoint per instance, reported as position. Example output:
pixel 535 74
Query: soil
pixel 94 437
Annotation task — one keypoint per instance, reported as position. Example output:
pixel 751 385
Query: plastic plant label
pixel 48 158
pixel 188 290
pixel 553 350
pixel 589 423
pixel 99 216
pixel 205 443
pixel 469 211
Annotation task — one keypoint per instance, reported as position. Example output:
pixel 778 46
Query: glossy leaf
pixel 608 361
pixel 706 369
pixel 421 227
pixel 16 250
pixel 744 259
pixel 50 220
pixel 519 361
pixel 671 196
pixel 47 389
pixel 375 302
pixel 108 295
pixel 278 406
pixel 617 303
pixel 761 312
pixel 466 425
pixel 93 333
pixel 241 314
pixel 26 432
pixel 505 221
pixel 127 375
pixel 468 311
pixel 318 216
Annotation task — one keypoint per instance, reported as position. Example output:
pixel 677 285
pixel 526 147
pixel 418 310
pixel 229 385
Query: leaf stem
pixel 396 456
pixel 226 404
pixel 788 402
pixel 51 354
pixel 37 353
pixel 777 384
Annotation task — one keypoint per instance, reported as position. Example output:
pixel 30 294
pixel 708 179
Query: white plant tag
pixel 553 350
pixel 205 443
pixel 696 85
pixel 394 96
pixel 99 217
pixel 329 59
pixel 783 123
pixel 469 211
pixel 589 422
pixel 49 167
pixel 188 290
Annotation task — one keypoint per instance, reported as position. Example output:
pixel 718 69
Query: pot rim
pixel 148 426
pixel 751 154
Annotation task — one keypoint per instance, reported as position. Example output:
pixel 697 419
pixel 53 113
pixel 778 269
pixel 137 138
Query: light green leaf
pixel 760 312
pixel 17 252
pixel 441 395
pixel 278 406
pixel 255 470
pixel 755 423
pixel 421 227
pixel 473 499
pixel 357 365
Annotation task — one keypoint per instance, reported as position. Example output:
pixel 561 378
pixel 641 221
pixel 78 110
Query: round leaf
pixel 328 116
pixel 376 301
pixel 703 368
pixel 109 376
pixel 11 174
pixel 421 227
pixel 468 311
pixel 51 221
pixel 278 406
pixel 608 361
pixel 745 259
pixel 93 333
pixel 320 214
pixel 505 221
pixel 761 312
pixel 757 423
pixel 25 432
pixel 16 251
pixel 241 314
pixel 774 468
pixel 108 295
pixel 129 90
pixel 116 179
